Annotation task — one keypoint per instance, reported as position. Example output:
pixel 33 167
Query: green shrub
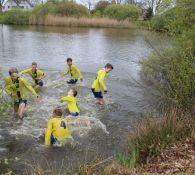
pixel 175 20
pixel 122 12
pixel 1 18
pixel 16 16
pixel 172 72
pixel 97 14
pixel 71 9
pixel 101 6
pixel 60 8
pixel 43 10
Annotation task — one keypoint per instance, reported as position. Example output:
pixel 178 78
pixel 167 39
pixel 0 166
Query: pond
pixel 90 49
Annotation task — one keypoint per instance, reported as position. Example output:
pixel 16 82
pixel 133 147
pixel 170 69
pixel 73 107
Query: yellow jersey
pixel 98 83
pixel 17 88
pixel 71 103
pixel 37 74
pixel 59 128
pixel 74 72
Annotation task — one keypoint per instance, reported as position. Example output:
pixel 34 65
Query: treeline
pixel 69 9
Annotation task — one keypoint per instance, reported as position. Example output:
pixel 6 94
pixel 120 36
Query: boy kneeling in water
pixel 58 129
pixel 15 86
pixel 71 102
pixel 36 74
pixel 99 84
pixel 74 72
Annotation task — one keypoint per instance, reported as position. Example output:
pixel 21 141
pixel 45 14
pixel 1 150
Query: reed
pixel 51 20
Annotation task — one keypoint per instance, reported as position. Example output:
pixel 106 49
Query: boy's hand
pixel 105 92
pixel 37 100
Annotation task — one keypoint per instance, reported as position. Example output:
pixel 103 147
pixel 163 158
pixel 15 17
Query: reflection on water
pixel 90 49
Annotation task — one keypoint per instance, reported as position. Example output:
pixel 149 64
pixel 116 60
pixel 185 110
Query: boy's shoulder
pixel 8 78
pixel 54 119
pixel 39 70
pixel 73 66
pixel 101 71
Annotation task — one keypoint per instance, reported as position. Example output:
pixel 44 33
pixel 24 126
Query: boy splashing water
pixel 71 102
pixel 73 71
pixel 99 84
pixel 14 86
pixel 36 74
pixel 58 129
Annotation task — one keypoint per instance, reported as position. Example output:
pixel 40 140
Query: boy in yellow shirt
pixel 99 84
pixel 36 74
pixel 73 71
pixel 58 128
pixel 15 87
pixel 71 102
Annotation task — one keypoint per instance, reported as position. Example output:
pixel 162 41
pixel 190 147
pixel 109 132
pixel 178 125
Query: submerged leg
pixel 100 101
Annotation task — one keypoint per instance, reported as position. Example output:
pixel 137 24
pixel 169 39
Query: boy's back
pixel 58 128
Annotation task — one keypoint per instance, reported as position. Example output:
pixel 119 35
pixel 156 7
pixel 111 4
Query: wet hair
pixel 34 63
pixel 109 66
pixel 58 112
pixel 69 59
pixel 74 92
pixel 13 70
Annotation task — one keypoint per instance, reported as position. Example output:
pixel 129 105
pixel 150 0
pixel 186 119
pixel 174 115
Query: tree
pixel 116 1
pixel 1 5
pixel 17 2
pixel 158 6
pixel 101 6
pixel 89 3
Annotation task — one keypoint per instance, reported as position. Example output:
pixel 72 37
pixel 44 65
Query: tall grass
pixel 155 133
pixel 51 20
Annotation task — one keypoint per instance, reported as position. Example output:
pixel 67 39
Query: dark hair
pixel 74 92
pixel 13 70
pixel 34 63
pixel 108 65
pixel 58 112
pixel 69 59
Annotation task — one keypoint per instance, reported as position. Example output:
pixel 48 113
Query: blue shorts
pixel 71 81
pixel 53 140
pixel 40 83
pixel 74 114
pixel 97 94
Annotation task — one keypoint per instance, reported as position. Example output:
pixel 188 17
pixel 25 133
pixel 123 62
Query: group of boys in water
pixel 58 127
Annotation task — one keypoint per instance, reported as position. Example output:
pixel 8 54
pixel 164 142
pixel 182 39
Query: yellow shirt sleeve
pixel 101 81
pixel 79 72
pixel 8 89
pixel 66 99
pixel 26 71
pixel 29 87
pixel 40 73
pixel 48 133
pixel 66 72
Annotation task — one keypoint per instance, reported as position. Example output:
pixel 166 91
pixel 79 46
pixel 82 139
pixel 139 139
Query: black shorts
pixel 40 83
pixel 17 104
pixel 72 81
pixel 97 94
